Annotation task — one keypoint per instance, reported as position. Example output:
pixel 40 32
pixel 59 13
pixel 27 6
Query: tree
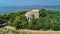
pixel 56 26
pixel 42 12
pixel 32 24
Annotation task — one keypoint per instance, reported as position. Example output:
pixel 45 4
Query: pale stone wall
pixel 32 14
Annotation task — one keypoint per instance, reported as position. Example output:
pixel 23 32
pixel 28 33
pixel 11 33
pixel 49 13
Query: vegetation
pixel 8 31
pixel 48 20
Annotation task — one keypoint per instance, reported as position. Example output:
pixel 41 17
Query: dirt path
pixel 33 31
pixel 9 27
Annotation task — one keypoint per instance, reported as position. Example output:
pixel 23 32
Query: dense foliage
pixel 48 20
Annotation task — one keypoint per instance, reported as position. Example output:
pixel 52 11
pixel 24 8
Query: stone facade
pixel 32 14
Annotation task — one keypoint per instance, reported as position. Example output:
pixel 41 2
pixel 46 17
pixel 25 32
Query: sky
pixel 28 2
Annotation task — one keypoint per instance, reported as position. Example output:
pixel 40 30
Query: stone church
pixel 32 14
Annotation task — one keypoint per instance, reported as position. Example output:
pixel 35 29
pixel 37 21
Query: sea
pixel 10 9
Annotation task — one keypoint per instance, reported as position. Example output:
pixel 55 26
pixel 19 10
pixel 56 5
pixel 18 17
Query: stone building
pixel 32 14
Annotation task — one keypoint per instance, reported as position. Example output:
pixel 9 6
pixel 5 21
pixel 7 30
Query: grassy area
pixel 9 31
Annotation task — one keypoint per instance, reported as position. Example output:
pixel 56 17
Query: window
pixel 33 16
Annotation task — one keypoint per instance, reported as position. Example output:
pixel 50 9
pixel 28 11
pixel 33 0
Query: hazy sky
pixel 28 2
